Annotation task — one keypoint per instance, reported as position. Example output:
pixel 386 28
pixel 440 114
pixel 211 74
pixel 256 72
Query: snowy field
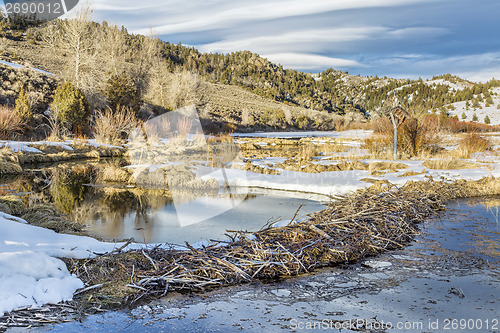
pixel 492 111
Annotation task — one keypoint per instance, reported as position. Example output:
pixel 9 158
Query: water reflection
pixel 480 235
pixel 117 211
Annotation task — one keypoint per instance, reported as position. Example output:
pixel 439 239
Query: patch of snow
pixel 30 274
pixel 451 85
pixel 11 64
pixel 349 134
pixel 26 146
pixel 95 144
pixel 19 66
pixel 377 264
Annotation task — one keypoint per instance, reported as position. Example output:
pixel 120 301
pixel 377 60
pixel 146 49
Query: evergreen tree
pixel 122 91
pixel 22 108
pixel 474 117
pixel 464 116
pixel 487 120
pixel 70 108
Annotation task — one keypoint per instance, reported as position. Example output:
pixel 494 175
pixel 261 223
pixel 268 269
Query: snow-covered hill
pixel 492 111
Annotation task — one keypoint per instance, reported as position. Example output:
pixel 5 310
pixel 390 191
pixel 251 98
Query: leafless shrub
pixel 112 127
pixel 10 123
pixel 57 130
pixel 184 126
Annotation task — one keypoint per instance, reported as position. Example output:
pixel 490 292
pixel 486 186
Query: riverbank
pixel 353 227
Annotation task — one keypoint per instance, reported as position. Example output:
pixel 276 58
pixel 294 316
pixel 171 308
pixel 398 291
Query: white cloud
pixel 311 40
pixel 223 14
pixel 421 32
pixel 311 62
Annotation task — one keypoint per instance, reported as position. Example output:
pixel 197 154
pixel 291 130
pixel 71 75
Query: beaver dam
pixel 364 224
pixel 449 271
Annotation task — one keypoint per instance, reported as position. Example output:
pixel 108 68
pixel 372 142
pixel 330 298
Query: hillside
pixel 239 89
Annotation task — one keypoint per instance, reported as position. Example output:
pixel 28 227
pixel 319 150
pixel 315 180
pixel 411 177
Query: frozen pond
pixel 115 212
pixel 448 280
pixel 160 223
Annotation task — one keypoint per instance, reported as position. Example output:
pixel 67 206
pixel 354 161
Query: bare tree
pixel 112 49
pixel 76 38
pixel 158 83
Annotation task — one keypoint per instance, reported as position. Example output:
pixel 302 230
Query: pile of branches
pixel 47 314
pixel 354 226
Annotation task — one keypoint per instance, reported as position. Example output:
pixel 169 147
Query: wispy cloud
pixel 202 15
pixel 312 40
pixel 310 61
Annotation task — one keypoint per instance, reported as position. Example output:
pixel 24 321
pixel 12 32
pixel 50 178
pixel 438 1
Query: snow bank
pixel 25 146
pixel 350 134
pixel 30 273
pixel 33 279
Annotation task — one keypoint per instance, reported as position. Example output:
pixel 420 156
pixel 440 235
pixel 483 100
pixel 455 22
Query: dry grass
pixel 308 150
pixel 412 173
pixel 378 145
pixel 39 214
pixel 450 164
pixel 10 123
pixel 112 127
pixel 9 163
pixel 113 173
pixel 472 143
pixel 377 166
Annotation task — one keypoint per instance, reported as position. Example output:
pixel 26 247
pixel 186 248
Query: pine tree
pixel 464 116
pixel 22 108
pixel 70 108
pixel 474 117
pixel 487 120
pixel 121 91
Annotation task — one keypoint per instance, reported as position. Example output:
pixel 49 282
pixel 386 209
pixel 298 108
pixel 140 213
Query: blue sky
pixel 397 38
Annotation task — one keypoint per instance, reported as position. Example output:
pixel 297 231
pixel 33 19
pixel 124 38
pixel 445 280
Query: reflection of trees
pixel 14 183
pixel 111 207
pixel 68 189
